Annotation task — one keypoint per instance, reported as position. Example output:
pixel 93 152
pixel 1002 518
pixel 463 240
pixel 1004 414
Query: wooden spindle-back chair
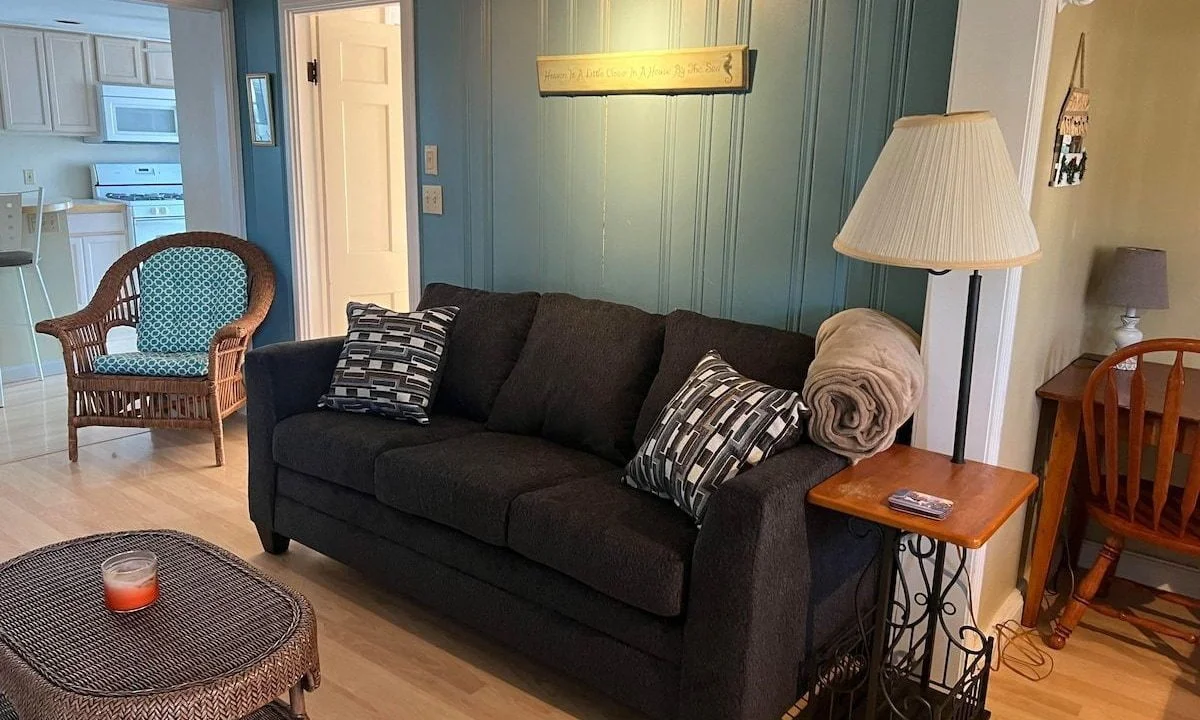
pixel 1119 408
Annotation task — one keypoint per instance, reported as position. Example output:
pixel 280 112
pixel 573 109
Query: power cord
pixel 1017 647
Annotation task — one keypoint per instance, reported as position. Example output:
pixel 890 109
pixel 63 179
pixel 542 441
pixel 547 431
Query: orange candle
pixel 130 580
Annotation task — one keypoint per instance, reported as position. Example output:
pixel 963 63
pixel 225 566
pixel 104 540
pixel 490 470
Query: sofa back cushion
pixel 582 376
pixel 484 345
pixel 769 355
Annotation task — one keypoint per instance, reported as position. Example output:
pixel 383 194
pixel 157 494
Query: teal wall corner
pixel 264 174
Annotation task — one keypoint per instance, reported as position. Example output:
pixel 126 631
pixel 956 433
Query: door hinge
pixel 312 72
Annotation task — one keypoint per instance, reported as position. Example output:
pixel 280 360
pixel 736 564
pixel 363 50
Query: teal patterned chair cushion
pixel 188 293
pixel 177 364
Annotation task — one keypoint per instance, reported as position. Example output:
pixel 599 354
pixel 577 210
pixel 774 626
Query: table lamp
pixel 942 197
pixel 1136 278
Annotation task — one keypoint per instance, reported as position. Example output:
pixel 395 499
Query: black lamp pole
pixel 964 377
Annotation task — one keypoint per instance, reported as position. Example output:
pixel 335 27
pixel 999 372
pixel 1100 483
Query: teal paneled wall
pixel 727 204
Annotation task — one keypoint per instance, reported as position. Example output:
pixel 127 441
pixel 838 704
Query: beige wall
pixel 1141 188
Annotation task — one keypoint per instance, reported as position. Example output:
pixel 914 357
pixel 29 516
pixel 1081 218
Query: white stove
pixel 153 192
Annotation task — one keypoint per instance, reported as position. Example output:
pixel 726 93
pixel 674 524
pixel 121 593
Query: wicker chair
pixel 131 400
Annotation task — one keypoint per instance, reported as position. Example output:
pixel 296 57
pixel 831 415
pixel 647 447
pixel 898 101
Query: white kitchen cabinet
pixel 71 78
pixel 98 239
pixel 119 60
pixel 24 95
pixel 160 71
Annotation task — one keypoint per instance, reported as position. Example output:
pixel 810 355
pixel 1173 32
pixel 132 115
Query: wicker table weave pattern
pixel 223 641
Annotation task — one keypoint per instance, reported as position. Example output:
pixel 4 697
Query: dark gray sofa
pixel 507 513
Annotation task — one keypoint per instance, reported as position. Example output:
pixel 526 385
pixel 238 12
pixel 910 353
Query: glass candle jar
pixel 130 580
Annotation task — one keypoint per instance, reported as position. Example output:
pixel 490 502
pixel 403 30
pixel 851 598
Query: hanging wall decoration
pixel 1070 158
pixel 688 70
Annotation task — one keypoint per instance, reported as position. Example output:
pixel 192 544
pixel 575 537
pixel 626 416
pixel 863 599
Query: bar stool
pixel 12 223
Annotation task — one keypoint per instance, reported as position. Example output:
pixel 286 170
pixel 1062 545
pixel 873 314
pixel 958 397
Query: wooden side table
pixel 1065 390
pixel 909 625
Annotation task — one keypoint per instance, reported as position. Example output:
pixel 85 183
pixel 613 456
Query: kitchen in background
pixel 87 112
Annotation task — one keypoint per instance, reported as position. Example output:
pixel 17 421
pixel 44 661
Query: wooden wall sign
pixel 708 69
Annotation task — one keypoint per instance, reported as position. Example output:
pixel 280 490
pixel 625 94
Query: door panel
pixel 23 92
pixel 119 60
pixel 160 68
pixel 72 80
pixel 361 119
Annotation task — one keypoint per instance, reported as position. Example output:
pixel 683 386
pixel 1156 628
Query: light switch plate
pixel 29 177
pixel 431 160
pixel 431 199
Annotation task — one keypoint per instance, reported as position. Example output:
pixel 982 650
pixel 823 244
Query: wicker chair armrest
pixel 60 327
pixel 83 336
pixel 234 338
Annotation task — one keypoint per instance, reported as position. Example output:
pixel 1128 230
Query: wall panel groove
pixel 703 171
pixel 899 75
pixel 808 125
pixel 858 103
pixel 737 145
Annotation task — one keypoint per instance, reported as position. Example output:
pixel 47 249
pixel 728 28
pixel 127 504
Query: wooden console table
pixel 1066 390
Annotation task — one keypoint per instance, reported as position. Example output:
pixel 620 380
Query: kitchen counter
pixel 49 205
pixel 96 206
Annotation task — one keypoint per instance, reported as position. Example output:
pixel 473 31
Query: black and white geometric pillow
pixel 390 364
pixel 718 424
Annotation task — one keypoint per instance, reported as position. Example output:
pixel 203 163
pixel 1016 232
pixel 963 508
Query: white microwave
pixel 136 114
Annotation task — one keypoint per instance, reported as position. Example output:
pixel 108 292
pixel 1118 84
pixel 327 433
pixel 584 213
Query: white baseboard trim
pixel 1010 609
pixel 28 371
pixel 1155 572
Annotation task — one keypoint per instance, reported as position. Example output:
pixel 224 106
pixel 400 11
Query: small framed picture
pixel 262 115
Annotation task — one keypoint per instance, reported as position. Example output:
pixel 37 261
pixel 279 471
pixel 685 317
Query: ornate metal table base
pixel 913 655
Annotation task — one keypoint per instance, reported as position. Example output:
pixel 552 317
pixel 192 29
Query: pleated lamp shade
pixel 942 196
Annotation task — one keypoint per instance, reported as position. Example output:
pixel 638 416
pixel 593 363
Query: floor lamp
pixel 942 197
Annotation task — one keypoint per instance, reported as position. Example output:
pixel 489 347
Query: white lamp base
pixel 1127 334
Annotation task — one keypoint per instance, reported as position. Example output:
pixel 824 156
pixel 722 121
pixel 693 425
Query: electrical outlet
pixel 431 160
pixel 431 199
pixel 29 176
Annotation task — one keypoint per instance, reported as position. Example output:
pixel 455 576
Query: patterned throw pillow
pixel 391 362
pixel 718 424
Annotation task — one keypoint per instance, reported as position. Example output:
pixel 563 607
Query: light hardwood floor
pixel 384 658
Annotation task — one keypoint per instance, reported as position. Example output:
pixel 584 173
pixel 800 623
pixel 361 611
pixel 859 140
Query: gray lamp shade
pixel 1136 278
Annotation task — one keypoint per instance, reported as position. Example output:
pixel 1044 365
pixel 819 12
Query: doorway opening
pixel 349 85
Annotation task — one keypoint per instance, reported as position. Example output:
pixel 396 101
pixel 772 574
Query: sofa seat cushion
pixel 582 376
pixel 627 544
pixel 485 343
pixel 497 566
pixel 153 364
pixel 341 447
pixel 769 355
pixel 468 483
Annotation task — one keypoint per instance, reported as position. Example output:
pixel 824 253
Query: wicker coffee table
pixel 223 641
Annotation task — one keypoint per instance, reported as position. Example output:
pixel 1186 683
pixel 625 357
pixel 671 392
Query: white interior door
pixel 361 108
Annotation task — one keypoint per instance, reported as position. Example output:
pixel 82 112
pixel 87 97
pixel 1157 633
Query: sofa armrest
pixel 282 380
pixel 754 605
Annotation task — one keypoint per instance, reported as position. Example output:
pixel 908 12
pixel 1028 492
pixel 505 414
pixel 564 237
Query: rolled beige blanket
pixel 864 383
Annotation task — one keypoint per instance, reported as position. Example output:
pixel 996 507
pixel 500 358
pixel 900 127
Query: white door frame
pixel 303 172
pixel 1021 32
